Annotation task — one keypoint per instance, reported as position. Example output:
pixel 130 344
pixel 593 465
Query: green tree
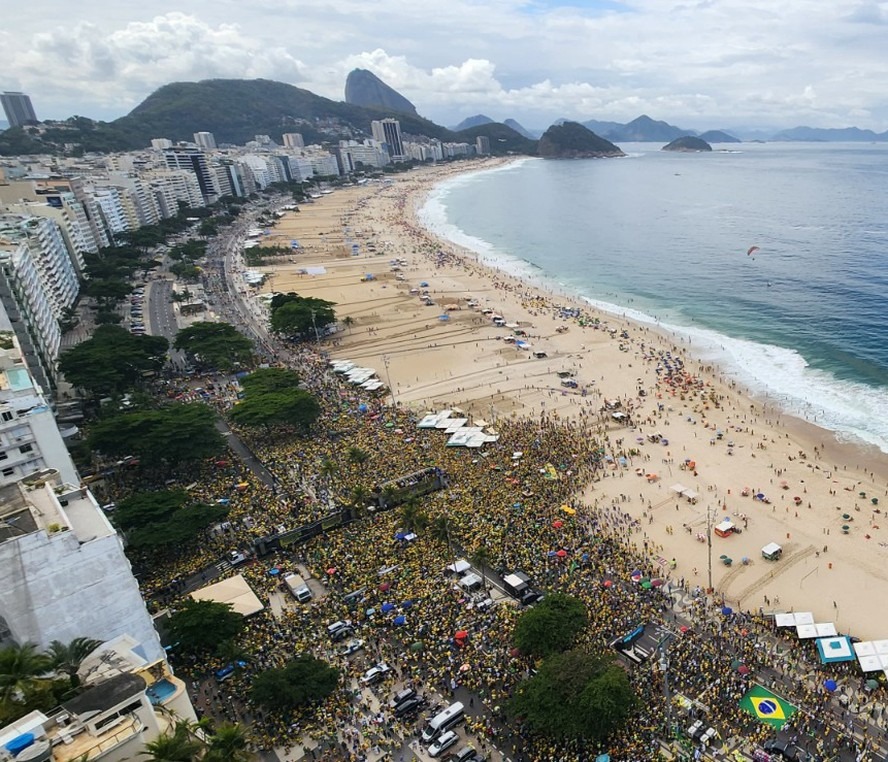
pixel 113 361
pixel 357 456
pixel 413 517
pixel 296 315
pixel 164 519
pixel 22 670
pixel 481 558
pixel 216 345
pixel 180 745
pixel 551 626
pixel 67 657
pixel 265 380
pixel 229 743
pixel 180 433
pixel 293 407
pixel 575 696
pixel 304 680
pixel 185 271
pixel 198 627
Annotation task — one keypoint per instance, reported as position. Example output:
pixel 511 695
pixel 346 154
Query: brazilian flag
pixel 766 706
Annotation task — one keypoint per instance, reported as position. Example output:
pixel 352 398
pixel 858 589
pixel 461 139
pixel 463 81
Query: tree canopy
pixel 180 433
pixel 551 626
pixel 217 345
pixel 296 315
pixel 272 396
pixel 201 626
pixel 164 519
pixel 304 680
pixel 113 361
pixel 575 696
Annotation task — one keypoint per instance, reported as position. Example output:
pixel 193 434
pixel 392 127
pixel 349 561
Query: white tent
pixel 455 424
pixel 234 591
pixel 678 489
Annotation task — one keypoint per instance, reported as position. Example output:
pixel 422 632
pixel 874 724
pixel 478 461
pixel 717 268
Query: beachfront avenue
pixel 557 495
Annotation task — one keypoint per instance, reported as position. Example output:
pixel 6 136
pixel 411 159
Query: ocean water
pixel 663 238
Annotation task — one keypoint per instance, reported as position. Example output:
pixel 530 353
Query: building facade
pixel 18 109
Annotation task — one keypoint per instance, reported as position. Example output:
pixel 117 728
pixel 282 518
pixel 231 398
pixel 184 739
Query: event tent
pixel 234 591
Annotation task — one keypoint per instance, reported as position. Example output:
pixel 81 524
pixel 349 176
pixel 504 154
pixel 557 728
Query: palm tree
pixel 481 558
pixel 357 455
pixel 413 517
pixel 359 497
pixel 348 321
pixel 439 530
pixel 21 670
pixel 179 746
pixel 328 468
pixel 67 658
pixel 389 495
pixel 228 744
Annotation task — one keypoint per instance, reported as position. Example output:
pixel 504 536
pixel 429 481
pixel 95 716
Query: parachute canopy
pixel 752 250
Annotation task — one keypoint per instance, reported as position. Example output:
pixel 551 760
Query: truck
pixel 517 584
pixel 297 587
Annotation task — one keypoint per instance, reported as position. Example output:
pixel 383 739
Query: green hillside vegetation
pixel 503 139
pixel 234 110
pixel 687 143
pixel 572 140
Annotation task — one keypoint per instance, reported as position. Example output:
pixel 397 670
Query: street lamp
pixel 709 545
pixel 388 379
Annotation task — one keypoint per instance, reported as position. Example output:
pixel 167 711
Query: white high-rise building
pixel 159 144
pixel 388 132
pixel 206 141
pixel 293 140
pixel 112 209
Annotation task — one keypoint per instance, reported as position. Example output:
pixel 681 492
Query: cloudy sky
pixel 696 63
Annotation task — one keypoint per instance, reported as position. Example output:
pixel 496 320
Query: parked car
pixel 352 647
pixel 375 674
pixel 444 742
pixel 409 708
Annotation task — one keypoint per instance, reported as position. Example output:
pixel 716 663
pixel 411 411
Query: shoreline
pixel 460 362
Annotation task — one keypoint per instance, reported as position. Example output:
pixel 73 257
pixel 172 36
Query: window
pixel 4 455
pixel 26 448
pixel 8 471
pixel 7 416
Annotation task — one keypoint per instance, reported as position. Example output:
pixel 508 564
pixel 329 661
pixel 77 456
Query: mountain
pixel 503 139
pixel 473 121
pixel 815 134
pixel 3 125
pixel 602 128
pixel 364 88
pixel 717 136
pixel 687 144
pixel 571 140
pixel 644 129
pixel 521 130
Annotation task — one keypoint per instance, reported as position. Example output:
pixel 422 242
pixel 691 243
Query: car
pixel 352 647
pixel 375 674
pixel 444 742
pixel 236 558
pixel 465 754
pixel 339 631
pixel 401 696
pixel 409 708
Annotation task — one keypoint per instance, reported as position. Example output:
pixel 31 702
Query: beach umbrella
pixel 274 571
pixel 386 607
pixel 657 582
pixel 399 620
pixel 561 553
pixel 608 583
pixel 743 669
pixel 416 647
pixel 362 408
pixel 727 610
pixel 830 685
pixel 558 523
pixel 872 684
pixel 736 663
pixel 551 554
pixel 371 612
pixel 684 629
pixel 331 571
pixel 635 576
pixel 384 586
pixel 603 758
pixel 584 557
pixel 400 535
pixel 461 634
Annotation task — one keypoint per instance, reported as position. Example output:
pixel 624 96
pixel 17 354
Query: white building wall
pixel 60 586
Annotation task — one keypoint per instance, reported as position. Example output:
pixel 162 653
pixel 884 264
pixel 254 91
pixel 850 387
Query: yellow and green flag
pixel 767 706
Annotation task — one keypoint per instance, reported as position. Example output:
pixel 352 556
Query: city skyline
pixel 709 64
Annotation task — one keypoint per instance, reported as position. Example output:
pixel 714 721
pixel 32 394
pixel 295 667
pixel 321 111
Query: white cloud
pixel 699 64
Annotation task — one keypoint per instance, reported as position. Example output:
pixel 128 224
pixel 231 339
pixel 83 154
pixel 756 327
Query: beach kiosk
pixel 772 551
pixel 725 528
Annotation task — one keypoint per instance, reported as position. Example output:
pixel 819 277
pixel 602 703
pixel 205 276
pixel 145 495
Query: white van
pixel 443 721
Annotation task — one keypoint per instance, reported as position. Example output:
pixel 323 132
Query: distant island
pixel 718 136
pixel 571 140
pixel 688 144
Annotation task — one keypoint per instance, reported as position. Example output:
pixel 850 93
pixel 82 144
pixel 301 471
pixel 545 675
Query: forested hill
pixel 234 110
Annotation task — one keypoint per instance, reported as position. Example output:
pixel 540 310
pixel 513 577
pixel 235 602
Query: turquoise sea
pixel 663 238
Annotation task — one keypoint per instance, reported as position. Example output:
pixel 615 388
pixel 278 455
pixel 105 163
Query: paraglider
pixel 752 250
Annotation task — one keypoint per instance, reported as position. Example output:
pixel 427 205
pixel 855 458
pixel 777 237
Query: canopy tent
pixel 822 630
pixel 835 649
pixel 462 437
pixel 678 489
pixel 428 421
pixel 234 591
pixel 793 620
pixel 458 567
pixel 724 528
pixel 455 424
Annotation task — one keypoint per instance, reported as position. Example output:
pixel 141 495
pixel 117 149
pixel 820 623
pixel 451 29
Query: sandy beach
pixel 691 427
